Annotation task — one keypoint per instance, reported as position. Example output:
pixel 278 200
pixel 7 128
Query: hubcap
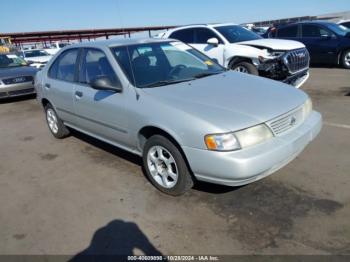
pixel 241 69
pixel 347 58
pixel 52 120
pixel 162 166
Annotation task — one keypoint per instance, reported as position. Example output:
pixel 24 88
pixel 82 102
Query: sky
pixel 41 15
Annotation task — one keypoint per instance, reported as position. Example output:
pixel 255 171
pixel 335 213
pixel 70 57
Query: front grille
pixel 286 122
pixel 297 60
pixel 21 92
pixel 17 80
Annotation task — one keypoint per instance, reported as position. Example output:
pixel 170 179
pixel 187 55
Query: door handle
pixel 47 86
pixel 78 94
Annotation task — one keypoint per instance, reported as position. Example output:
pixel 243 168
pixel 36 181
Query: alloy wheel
pixel 162 166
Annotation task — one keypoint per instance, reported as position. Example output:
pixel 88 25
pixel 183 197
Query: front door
pixel 98 111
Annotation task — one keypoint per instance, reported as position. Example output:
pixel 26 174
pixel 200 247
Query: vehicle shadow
pixel 137 160
pixel 108 147
pixel 116 240
pixel 17 99
pixel 213 188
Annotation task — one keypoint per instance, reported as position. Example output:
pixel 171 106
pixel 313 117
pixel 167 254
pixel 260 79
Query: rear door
pixel 60 83
pixel 321 43
pixel 100 112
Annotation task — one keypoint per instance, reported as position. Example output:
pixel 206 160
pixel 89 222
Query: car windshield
pixel 236 33
pixel 157 64
pixel 339 29
pixel 35 53
pixel 10 60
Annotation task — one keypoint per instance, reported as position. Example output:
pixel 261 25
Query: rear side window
pixel 64 66
pixel 290 31
pixel 95 64
pixel 184 35
pixel 203 34
pixel 314 31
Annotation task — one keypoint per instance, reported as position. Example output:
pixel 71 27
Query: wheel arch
pixel 340 54
pixel 150 130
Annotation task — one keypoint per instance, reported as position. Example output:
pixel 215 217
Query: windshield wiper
pixel 201 75
pixel 165 82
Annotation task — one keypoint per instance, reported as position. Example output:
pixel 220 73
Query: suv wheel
pixel 166 167
pixel 346 59
pixel 245 67
pixel 55 124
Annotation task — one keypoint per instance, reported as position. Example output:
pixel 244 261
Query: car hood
pixel 230 100
pixel 275 44
pixel 17 71
pixel 41 59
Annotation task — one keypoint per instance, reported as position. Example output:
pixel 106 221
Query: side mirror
pixel 105 83
pixel 213 41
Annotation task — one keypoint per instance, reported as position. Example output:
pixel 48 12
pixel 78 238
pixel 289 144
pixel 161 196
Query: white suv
pixel 242 50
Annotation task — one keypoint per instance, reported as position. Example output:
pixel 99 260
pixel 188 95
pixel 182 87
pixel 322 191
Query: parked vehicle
pixel 16 77
pixel 328 43
pixel 345 23
pixel 239 49
pixel 55 47
pixel 36 57
pixel 188 117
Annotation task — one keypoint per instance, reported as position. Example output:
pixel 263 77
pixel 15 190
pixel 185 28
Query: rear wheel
pixel 245 67
pixel 55 124
pixel 346 59
pixel 166 167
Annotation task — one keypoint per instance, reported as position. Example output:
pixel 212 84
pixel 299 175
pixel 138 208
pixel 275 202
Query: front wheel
pixel 165 166
pixel 346 59
pixel 245 67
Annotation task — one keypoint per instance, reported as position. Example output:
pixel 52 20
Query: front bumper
pixel 248 165
pixel 297 80
pixel 14 90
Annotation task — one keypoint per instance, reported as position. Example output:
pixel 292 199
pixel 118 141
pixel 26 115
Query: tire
pixel 55 124
pixel 166 167
pixel 245 67
pixel 345 59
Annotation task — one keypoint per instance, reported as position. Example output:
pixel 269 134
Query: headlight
pixel 238 140
pixel 254 135
pixel 307 108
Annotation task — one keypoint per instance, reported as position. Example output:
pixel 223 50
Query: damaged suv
pixel 241 50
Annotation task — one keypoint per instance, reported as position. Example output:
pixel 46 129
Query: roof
pixel 201 25
pixel 119 42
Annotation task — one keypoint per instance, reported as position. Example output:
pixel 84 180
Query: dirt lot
pixel 80 195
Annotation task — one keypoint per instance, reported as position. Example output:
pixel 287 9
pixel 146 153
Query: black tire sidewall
pixel 184 181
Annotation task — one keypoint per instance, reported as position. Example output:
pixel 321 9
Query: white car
pixel 55 47
pixel 36 57
pixel 241 50
pixel 345 23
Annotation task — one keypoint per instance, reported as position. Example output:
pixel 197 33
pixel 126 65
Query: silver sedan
pixel 187 117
